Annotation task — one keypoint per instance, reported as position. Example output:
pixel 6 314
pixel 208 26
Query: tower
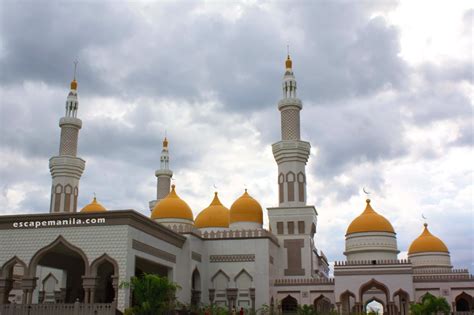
pixel 66 168
pixel 163 176
pixel 291 154
pixel 294 222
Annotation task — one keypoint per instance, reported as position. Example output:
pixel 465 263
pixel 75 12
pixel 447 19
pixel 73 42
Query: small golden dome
pixel 369 221
pixel 216 215
pixel 172 207
pixel 246 209
pixel 94 206
pixel 74 84
pixel 427 242
pixel 288 62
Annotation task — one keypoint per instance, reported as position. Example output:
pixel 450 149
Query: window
pixel 279 227
pixel 301 227
pixel 291 228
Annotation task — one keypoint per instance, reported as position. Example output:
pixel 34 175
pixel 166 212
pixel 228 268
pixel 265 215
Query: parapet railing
pixel 256 233
pixel 440 270
pixel 303 281
pixel 436 278
pixel 58 309
pixel 373 262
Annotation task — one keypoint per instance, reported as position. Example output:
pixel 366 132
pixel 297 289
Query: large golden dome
pixel 369 221
pixel 94 206
pixel 246 209
pixel 427 242
pixel 172 207
pixel 216 215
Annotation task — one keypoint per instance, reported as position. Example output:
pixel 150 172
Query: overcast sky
pixel 386 89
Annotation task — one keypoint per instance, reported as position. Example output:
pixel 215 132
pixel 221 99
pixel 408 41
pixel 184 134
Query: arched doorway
pixel 322 305
pixel 374 307
pixel 464 302
pixel 347 299
pixel 402 302
pixel 11 276
pixel 61 255
pixel 196 288
pixel 374 291
pixel 105 272
pixel 289 305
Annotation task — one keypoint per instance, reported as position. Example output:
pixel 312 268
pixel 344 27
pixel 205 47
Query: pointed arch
pixel 243 271
pixel 348 293
pixel 196 279
pixel 322 304
pixel 373 298
pixel 5 269
pixel 464 302
pixel 400 292
pixel 374 284
pixel 60 240
pixel 289 304
pixel 220 271
pixel 98 261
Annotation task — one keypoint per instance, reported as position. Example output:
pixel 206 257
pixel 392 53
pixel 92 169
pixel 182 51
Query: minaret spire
pixel 291 154
pixel 163 175
pixel 66 168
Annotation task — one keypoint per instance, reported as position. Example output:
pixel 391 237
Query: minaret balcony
pixel 291 150
pixel 290 102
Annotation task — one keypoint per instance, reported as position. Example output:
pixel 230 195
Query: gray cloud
pixel 162 64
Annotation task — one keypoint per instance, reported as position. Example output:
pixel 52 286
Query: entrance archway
pixel 464 302
pixel 105 271
pixel 196 288
pixel 347 299
pixel 289 305
pixel 402 302
pixel 374 291
pixel 11 276
pixel 374 307
pixel 71 260
pixel 322 305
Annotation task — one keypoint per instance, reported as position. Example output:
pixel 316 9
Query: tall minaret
pixel 293 222
pixel 163 176
pixel 66 168
pixel 291 154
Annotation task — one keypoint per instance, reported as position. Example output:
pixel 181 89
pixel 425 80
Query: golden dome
pixel 172 207
pixel 427 242
pixel 288 62
pixel 94 206
pixel 74 84
pixel 369 221
pixel 246 209
pixel 216 215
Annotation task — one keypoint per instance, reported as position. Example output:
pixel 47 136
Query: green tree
pixel 306 310
pixel 430 305
pixel 152 294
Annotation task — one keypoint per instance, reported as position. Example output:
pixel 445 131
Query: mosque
pixel 222 256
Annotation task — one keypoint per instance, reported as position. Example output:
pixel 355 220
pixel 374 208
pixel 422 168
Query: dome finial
pixel 165 143
pixel 74 82
pixel 288 62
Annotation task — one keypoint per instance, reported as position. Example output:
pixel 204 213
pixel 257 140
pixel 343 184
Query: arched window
pixel 281 180
pixel 290 178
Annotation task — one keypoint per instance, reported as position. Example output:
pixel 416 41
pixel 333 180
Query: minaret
pixel 291 154
pixel 293 222
pixel 163 176
pixel 66 168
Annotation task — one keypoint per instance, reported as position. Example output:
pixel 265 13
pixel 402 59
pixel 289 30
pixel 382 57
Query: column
pixel 252 297
pixel 89 284
pixel 231 297
pixel 212 294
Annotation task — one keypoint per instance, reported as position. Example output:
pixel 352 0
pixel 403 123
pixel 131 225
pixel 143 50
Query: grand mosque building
pixel 224 255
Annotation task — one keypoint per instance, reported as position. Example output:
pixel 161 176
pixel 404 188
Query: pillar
pixel 231 297
pixel 212 294
pixel 252 297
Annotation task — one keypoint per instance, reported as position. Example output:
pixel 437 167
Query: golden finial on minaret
pixel 165 143
pixel 288 61
pixel 74 82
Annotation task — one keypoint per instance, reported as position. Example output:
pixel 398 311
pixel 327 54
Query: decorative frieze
pixel 232 258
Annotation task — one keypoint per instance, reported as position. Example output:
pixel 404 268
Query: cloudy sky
pixel 386 86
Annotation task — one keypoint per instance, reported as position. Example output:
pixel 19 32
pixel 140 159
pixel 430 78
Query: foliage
pixel 152 294
pixel 430 304
pixel 306 310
